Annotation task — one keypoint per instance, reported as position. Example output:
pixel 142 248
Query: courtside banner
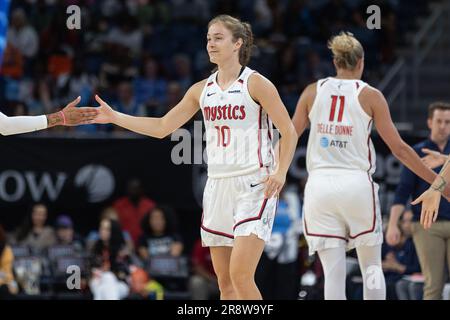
pixel 80 177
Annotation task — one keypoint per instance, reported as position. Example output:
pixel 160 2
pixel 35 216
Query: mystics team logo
pixel 98 180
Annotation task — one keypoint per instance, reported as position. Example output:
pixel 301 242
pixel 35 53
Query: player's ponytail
pixel 347 50
pixel 241 30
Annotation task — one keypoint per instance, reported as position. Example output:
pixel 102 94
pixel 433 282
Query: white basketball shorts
pixel 236 206
pixel 341 209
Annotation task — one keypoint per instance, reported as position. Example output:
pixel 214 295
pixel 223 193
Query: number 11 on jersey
pixel 333 108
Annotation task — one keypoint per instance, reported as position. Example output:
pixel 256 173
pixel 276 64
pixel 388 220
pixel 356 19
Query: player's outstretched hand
pixel 105 113
pixel 74 116
pixel 433 159
pixel 274 184
pixel 430 206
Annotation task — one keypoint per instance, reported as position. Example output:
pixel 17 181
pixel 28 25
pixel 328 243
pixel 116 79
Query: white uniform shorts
pixel 235 207
pixel 341 209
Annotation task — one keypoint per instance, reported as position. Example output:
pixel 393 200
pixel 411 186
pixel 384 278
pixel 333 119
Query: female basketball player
pixel 69 116
pixel 240 195
pixel 341 200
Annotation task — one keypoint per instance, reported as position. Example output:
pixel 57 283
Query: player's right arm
pixel 69 116
pixel 155 127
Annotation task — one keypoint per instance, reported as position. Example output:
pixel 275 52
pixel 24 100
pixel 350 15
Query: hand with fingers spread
pixel 430 207
pixel 105 113
pixel 433 159
pixel 72 115
pixel 274 184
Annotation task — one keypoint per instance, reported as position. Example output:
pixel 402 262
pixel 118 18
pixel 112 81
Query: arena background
pixel 142 56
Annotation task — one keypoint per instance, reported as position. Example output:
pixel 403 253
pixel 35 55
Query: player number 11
pixel 333 108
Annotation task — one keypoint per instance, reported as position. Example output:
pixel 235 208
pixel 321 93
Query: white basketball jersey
pixel 238 130
pixel 340 129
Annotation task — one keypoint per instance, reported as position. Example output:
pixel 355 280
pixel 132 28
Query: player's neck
pixel 346 75
pixel 228 72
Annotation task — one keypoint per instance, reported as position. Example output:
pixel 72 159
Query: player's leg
pixel 369 258
pixel 217 231
pixel 334 268
pixel 245 256
pixel 221 262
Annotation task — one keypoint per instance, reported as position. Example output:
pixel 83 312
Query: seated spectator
pixel 34 232
pixel 183 71
pixel 159 236
pixel 203 282
pixel 110 263
pixel 12 63
pixel 400 260
pixel 93 236
pixel 8 287
pixel 174 94
pixel 22 35
pixel 132 208
pixel 126 102
pixel 65 234
pixel 150 88
pixel 142 287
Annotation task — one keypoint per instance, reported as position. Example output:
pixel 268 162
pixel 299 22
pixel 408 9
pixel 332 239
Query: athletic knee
pixel 241 278
pixel 225 284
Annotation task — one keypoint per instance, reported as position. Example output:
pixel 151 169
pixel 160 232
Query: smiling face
pixel 221 46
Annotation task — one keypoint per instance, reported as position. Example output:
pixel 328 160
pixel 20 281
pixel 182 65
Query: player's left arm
pixel 264 92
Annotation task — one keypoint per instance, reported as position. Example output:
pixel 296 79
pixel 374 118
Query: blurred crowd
pixel 142 55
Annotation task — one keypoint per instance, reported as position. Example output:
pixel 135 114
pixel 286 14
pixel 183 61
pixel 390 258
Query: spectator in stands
pixel 110 262
pixel 400 260
pixel 174 94
pixel 432 245
pixel 143 287
pixel 22 35
pixel 126 101
pixel 183 72
pixel 8 287
pixel 132 208
pixel 65 234
pixel 34 232
pixel 150 88
pixel 126 34
pixel 203 282
pixel 93 236
pixel 160 235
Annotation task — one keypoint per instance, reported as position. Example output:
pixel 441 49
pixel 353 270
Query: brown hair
pixel 438 105
pixel 347 50
pixel 241 30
